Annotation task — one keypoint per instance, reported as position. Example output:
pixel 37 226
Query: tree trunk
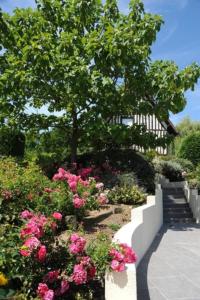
pixel 74 138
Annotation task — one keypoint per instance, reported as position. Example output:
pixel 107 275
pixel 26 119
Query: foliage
pixel 112 163
pixel 193 178
pixel 25 187
pixel 44 263
pixel 127 179
pixel 33 255
pixel 190 148
pixel 89 62
pixel 170 169
pixel 12 142
pixel 126 195
pixel 186 165
pixel 185 128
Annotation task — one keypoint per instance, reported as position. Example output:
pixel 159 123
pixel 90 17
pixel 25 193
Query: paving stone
pixel 151 294
pixel 171 267
pixel 177 287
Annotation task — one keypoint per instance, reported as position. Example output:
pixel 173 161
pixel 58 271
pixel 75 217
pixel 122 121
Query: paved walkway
pixel 171 268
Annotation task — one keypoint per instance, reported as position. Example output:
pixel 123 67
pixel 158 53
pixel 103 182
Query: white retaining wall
pixel 146 221
pixel 165 183
pixel 194 201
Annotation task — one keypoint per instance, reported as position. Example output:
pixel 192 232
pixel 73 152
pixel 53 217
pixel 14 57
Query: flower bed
pixel 36 262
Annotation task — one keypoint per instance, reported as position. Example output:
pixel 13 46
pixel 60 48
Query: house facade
pixel 159 128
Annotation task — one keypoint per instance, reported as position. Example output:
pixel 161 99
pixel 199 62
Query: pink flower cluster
pixel 84 271
pixel 85 172
pixel 35 225
pixel 78 202
pixel 33 231
pixel 77 244
pixel 71 179
pixel 51 278
pixel 44 292
pixel 120 256
pixel 57 216
pixel 102 199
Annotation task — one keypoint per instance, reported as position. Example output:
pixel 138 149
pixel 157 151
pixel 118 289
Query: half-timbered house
pixel 152 124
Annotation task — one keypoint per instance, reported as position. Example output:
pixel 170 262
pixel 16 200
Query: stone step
pixel 175 202
pixel 178 215
pixel 174 198
pixel 175 205
pixel 176 209
pixel 179 194
pixel 173 190
pixel 179 220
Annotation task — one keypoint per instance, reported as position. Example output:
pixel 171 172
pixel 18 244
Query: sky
pixel 178 39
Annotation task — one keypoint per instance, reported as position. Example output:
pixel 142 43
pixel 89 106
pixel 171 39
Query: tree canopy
pixel 90 62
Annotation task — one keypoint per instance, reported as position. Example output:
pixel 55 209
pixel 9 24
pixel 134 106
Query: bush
pixel 190 148
pixel 193 178
pixel 127 161
pixel 41 262
pixel 186 165
pixel 12 142
pixel 131 195
pixel 170 169
pixel 25 187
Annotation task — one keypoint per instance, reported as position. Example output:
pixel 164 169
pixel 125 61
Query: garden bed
pixel 107 220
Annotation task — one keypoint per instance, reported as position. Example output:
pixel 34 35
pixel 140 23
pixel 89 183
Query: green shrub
pixel 131 195
pixel 193 178
pixel 190 148
pixel 12 142
pixel 127 179
pixel 170 169
pixel 185 164
pixel 24 186
pixel 128 161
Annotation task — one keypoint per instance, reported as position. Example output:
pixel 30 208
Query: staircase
pixel 175 207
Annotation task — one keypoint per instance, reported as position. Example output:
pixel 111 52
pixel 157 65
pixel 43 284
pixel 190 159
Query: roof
pixel 169 126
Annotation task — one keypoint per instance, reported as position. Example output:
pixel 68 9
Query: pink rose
pixel 129 254
pixel 79 275
pixel 77 245
pixel 117 266
pixel 29 245
pixel 57 216
pixel 64 286
pixel 42 289
pixel 78 202
pixel 49 295
pixel 74 237
pixel 73 186
pixel 41 255
pixel 102 199
pixel 91 272
pixel 51 276
pixel 26 214
pixel 99 185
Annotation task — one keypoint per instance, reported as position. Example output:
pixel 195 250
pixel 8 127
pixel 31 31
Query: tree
pixel 190 148
pixel 91 62
pixel 185 128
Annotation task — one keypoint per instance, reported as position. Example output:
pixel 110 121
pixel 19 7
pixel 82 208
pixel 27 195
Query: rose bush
pixel 33 255
pixel 54 268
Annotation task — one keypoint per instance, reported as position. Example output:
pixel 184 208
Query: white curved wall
pixel 146 221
